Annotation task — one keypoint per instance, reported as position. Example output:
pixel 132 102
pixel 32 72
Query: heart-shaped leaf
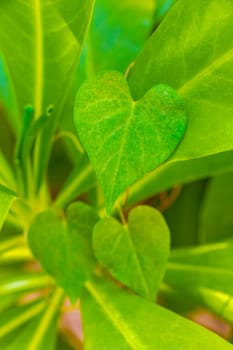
pixel 123 138
pixel 64 248
pixel 136 254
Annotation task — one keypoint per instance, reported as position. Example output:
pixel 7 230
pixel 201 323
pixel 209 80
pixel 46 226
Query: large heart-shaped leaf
pixel 123 138
pixel 136 254
pixel 114 319
pixel 192 51
pixel 64 249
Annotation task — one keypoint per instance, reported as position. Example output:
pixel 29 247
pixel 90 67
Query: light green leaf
pixel 48 47
pixel 18 283
pixel 192 51
pixel 123 138
pixel 64 248
pixel 176 173
pixel 6 173
pixel 117 33
pixel 114 319
pixel 218 204
pixel 209 266
pixel 137 253
pixel 41 332
pixel 6 199
pixel 17 316
pixel 50 36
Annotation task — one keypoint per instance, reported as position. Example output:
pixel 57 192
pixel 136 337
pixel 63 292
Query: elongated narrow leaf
pixel 48 47
pixel 41 332
pixel 132 137
pixel 136 254
pixel 6 198
pixel 64 248
pixel 209 266
pixel 192 51
pixel 114 319
pixel 176 173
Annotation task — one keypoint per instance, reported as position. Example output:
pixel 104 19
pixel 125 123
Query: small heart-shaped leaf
pixel 137 254
pixel 125 139
pixel 64 247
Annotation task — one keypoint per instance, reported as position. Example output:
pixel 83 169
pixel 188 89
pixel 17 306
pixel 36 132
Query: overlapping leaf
pixel 114 319
pixel 125 139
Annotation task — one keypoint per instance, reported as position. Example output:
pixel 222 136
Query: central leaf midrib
pixel 123 142
pixel 139 268
pixel 127 333
pixel 205 72
pixel 38 59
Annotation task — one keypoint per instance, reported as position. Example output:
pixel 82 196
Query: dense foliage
pixel 116 173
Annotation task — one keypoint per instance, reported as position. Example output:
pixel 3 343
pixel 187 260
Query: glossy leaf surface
pixel 192 51
pixel 114 319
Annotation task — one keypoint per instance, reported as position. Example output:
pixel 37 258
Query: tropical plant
pixel 116 173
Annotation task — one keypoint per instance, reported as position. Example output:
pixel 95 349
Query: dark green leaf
pixel 218 204
pixel 123 138
pixel 64 249
pixel 137 253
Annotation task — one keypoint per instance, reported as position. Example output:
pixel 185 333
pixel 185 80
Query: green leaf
pixel 163 6
pixel 6 199
pixel 64 249
pixel 218 204
pixel 176 173
pixel 183 215
pixel 114 319
pixel 209 266
pixel 18 283
pixel 41 332
pixel 137 253
pixel 123 138
pixel 192 51
pixel 7 97
pixel 48 47
pixel 117 33
pixel 17 316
